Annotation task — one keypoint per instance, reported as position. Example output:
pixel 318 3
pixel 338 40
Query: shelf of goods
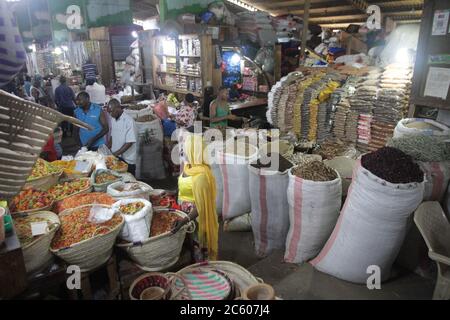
pixel 182 66
pixel 359 109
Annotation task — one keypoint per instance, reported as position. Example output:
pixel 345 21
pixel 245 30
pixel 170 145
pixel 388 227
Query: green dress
pixel 221 111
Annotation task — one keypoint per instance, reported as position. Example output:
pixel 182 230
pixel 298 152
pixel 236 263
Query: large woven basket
pixel 24 130
pixel 37 253
pixel 92 253
pixel 160 252
pixel 102 187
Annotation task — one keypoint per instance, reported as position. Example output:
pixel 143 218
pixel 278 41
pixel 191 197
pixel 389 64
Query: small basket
pixel 91 253
pixel 148 280
pixel 24 130
pixel 103 186
pixel 160 252
pixel 37 254
pixel 123 170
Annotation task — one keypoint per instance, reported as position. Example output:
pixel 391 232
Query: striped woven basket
pixel 24 130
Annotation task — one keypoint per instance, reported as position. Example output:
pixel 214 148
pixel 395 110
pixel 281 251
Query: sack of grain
pixel 127 190
pixel 371 227
pixel 137 225
pixel 233 166
pixel 269 204
pixel 211 150
pixel 418 126
pixel 313 212
pixel 437 176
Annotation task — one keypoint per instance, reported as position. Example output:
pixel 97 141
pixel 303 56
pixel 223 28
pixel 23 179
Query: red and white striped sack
pixel 270 209
pixel 371 227
pixel 437 176
pixel 313 212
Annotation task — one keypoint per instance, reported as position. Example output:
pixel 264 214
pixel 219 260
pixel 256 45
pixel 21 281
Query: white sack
pixel 136 227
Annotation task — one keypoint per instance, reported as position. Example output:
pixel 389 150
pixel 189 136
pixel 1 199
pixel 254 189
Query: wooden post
pixel 305 29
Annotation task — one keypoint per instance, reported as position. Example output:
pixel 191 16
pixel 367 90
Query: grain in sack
pixel 371 227
pixel 313 211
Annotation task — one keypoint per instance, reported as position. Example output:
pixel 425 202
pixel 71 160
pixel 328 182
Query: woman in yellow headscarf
pixel 197 194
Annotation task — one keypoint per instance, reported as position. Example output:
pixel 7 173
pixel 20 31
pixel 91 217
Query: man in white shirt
pixel 96 91
pixel 123 136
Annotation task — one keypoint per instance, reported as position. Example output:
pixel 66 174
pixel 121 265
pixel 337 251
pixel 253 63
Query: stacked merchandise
pixel 257 27
pixel 340 118
pixel 391 104
pixel 190 68
pixel 289 111
pixel 190 47
pixel 326 112
pixel 287 27
pixel 361 106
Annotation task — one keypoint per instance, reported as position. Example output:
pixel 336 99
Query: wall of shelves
pixel 182 65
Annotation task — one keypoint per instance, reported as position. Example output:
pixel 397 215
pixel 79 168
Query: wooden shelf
pixel 180 74
pixel 187 56
pixel 168 88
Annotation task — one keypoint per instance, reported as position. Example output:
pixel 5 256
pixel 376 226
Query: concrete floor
pixel 301 282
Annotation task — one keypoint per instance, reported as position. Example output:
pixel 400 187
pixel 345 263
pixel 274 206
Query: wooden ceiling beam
pixel 268 4
pixel 342 18
pixel 317 11
pixel 359 4
pixel 399 3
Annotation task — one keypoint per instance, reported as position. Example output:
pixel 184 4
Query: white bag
pixel 136 227
pixel 211 152
pixel 313 211
pixel 424 127
pixel 437 175
pixel 371 228
pixel 142 190
pixel 270 217
pixel 236 195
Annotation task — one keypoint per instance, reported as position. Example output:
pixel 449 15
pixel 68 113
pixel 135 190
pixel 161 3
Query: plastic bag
pixel 99 214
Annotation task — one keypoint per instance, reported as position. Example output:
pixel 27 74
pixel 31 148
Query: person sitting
pixel 197 194
pixel 93 115
pixel 96 91
pixel 220 111
pixel 187 114
pixel 123 136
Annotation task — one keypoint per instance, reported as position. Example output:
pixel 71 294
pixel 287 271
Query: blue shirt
pixel 27 87
pixel 92 117
pixel 64 97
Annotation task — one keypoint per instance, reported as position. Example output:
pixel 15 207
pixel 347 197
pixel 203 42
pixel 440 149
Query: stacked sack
pixel 387 187
pixel 257 26
pixel 391 103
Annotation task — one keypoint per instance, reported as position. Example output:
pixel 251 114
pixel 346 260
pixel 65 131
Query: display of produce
pixel 84 199
pixel 67 166
pixel 22 226
pixel 163 200
pixel 105 177
pixel 76 227
pixel 422 148
pixel 392 165
pixel 131 208
pixel 30 199
pixel 315 171
pixel 162 222
pixel 66 189
pixel 112 163
pixel 41 169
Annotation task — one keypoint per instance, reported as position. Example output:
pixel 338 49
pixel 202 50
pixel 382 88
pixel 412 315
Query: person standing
pixel 187 114
pixel 89 69
pixel 93 115
pixel 65 101
pixel 38 93
pixel 123 136
pixel 27 85
pixel 96 91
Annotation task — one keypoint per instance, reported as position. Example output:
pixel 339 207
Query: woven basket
pixel 103 186
pixel 125 169
pixel 86 190
pixel 91 253
pixel 24 130
pixel 37 253
pixel 160 252
pixel 241 277
pixel 44 183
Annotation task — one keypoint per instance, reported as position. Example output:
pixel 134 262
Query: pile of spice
pixel 162 222
pixel 315 171
pixel 392 165
pixel 422 148
pixel 84 199
pixel 331 148
pixel 105 177
pixel 131 208
pixel 76 227
pixel 283 163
